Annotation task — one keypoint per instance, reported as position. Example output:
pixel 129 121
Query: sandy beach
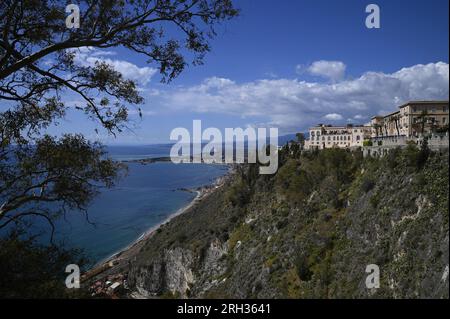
pixel 120 259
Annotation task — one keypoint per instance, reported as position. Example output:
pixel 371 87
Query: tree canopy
pixel 37 50
pixel 38 67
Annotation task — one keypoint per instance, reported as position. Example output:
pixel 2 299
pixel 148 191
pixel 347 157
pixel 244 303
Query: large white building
pixel 327 136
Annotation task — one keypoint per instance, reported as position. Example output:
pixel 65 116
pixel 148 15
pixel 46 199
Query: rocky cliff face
pixel 309 232
pixel 172 273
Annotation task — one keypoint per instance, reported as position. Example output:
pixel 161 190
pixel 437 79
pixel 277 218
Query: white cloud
pixel 333 117
pixel 332 70
pixel 89 56
pixel 293 105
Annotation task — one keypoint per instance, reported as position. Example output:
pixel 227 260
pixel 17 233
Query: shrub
pixel 239 194
pixel 374 201
pixel 367 185
pixel 393 158
pixel 303 268
pixel 423 154
pixel 411 154
pixel 282 223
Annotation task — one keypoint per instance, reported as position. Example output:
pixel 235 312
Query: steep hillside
pixel 309 232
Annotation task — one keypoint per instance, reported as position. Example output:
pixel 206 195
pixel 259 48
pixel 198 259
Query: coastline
pixel 145 235
pixel 121 257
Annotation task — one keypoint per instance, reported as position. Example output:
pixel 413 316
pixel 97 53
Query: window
pixel 358 137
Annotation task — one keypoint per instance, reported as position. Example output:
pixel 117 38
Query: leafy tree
pixel 421 122
pixel 424 154
pixel 301 139
pixel 38 66
pixel 37 50
pixel 396 120
pixel 66 172
pixel 378 129
pixel 31 270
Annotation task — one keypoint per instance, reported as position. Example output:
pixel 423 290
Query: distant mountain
pixel 282 140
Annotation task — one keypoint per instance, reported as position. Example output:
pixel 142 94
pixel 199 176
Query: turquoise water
pixel 143 199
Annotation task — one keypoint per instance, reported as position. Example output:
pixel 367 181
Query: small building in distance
pixel 327 136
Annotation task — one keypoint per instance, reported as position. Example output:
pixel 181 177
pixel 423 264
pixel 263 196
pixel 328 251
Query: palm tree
pixel 396 120
pixel 433 125
pixel 423 118
pixel 301 139
pixel 377 129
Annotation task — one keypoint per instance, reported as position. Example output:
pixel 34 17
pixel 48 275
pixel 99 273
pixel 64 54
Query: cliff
pixel 309 232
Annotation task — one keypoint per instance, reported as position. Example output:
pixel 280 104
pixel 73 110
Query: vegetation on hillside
pixel 310 230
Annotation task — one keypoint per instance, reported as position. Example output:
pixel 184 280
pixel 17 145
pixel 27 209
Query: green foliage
pixel 67 172
pixel 423 155
pixel 31 270
pixel 413 156
pixel 303 268
pixel 47 49
pixel 367 184
pixel 375 200
pixel 239 193
pixel 293 181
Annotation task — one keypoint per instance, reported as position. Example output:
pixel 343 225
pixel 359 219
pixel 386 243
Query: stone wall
pixel 382 145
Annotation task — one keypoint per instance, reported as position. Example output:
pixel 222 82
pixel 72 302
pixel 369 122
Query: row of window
pixel 318 133
pixel 430 109
pixel 336 143
pixel 431 120
pixel 336 138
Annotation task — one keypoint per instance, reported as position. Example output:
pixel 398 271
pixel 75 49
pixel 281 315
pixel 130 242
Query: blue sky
pixel 292 64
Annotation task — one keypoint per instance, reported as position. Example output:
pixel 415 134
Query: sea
pixel 145 198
